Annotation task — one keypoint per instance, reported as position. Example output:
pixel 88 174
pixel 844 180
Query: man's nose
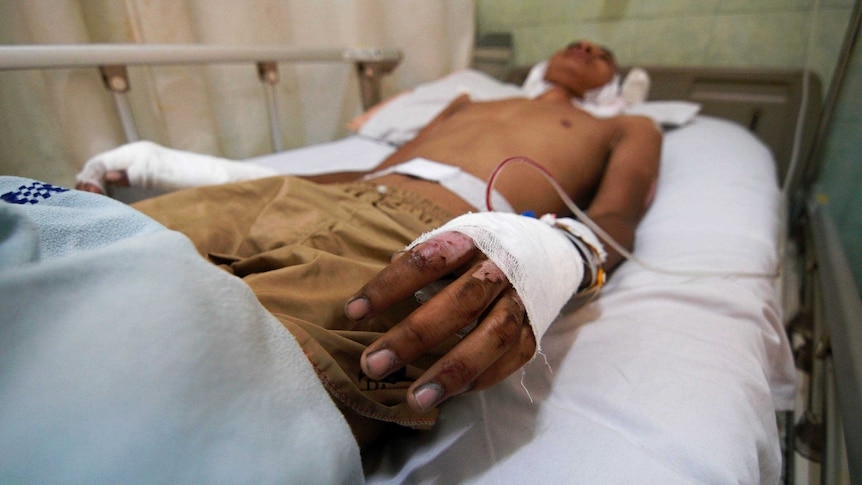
pixel 587 47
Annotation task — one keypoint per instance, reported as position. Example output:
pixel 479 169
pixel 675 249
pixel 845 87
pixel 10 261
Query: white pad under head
pixel 152 166
pixel 542 264
pixel 603 101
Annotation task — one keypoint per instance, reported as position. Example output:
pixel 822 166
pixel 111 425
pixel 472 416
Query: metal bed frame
pixel 830 317
pixel 112 61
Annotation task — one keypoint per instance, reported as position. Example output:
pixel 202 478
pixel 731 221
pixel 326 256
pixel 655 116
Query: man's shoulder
pixel 637 123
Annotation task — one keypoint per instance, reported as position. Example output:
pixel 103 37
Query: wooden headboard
pixel 769 102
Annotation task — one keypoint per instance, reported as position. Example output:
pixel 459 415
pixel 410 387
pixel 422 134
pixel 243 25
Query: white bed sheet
pixel 663 379
pixel 353 153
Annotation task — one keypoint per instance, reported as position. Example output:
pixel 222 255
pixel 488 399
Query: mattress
pixel 666 378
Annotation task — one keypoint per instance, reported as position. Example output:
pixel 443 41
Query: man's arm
pixel 628 183
pixel 171 169
pixel 150 165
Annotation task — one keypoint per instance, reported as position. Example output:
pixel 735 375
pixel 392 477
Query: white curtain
pixel 51 122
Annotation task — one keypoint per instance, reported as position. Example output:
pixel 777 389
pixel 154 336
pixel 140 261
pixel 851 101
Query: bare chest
pixel 570 144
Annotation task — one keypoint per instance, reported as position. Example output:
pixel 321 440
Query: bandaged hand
pixel 151 166
pixel 513 275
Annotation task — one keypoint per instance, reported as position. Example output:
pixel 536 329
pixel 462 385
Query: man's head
pixel 581 66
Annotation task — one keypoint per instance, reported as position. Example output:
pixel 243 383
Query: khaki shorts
pixel 304 249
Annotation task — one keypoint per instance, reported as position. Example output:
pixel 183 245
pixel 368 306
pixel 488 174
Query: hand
pixel 114 177
pixel 501 342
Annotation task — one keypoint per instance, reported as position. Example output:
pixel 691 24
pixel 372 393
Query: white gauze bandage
pixel 152 166
pixel 540 261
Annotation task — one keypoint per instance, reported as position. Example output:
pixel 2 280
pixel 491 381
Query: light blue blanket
pixel 63 220
pixel 125 357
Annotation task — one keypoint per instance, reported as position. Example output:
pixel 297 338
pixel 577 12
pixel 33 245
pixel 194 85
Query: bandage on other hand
pixel 152 166
pixel 536 255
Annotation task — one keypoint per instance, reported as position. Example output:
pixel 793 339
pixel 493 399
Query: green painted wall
pixel 758 33
pixel 841 175
pixel 761 33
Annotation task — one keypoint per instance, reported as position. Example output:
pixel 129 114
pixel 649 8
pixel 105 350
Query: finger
pixel 458 305
pixel 396 255
pixel 495 349
pixel 88 187
pixel 410 272
pixel 517 356
pixel 117 177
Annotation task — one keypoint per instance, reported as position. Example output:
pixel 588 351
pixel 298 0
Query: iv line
pixel 607 238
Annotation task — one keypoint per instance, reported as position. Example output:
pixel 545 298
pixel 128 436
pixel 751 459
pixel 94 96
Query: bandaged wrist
pixel 539 260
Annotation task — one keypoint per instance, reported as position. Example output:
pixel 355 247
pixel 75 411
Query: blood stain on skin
pixel 489 271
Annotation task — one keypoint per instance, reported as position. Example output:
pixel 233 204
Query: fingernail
pixel 428 395
pixel 357 308
pixel 379 363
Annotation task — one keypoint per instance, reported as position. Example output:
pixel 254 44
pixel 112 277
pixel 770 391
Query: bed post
pixel 369 80
pixel 116 79
pixel 268 74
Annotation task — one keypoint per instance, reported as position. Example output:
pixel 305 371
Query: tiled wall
pixel 841 176
pixel 677 32
pixel 761 33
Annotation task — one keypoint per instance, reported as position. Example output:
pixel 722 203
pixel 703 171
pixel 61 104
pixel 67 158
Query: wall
pixel 679 32
pixel 840 182
pixel 740 33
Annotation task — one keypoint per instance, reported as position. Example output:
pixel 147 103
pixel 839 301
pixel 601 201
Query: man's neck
pixel 556 94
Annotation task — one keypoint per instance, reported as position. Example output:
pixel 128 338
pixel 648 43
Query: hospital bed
pixel 666 378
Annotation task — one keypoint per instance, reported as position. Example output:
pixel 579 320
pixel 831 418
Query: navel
pixel 566 123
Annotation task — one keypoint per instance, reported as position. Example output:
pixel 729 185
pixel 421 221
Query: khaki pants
pixel 304 249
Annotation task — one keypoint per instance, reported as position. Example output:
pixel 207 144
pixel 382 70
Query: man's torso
pixel 572 145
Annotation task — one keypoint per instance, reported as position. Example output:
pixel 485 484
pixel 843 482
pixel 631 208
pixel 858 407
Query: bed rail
pixel 112 59
pixel 48 56
pixel 836 376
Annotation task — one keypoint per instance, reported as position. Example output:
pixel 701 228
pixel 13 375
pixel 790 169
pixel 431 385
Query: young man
pixel 303 247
